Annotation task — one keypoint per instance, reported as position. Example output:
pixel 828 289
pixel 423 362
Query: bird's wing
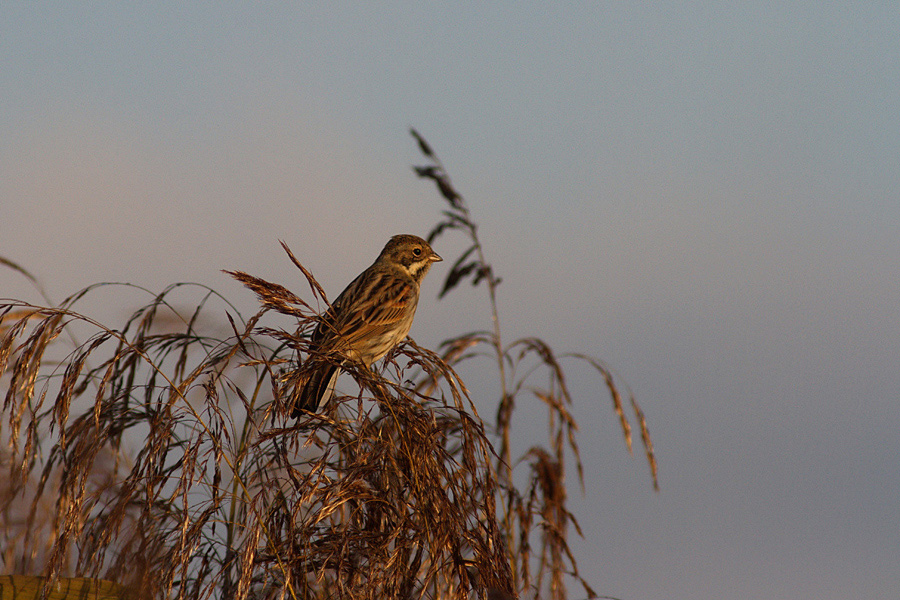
pixel 369 305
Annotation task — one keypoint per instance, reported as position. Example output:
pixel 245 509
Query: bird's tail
pixel 316 390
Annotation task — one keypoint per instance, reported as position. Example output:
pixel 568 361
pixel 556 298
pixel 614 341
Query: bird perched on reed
pixel 371 316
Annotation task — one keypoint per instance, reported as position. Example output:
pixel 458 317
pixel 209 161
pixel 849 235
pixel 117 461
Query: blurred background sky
pixel 705 196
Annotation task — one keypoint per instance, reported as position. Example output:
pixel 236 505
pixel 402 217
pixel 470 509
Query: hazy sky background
pixel 705 197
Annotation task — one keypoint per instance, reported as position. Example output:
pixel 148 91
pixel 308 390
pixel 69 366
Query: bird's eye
pixel 417 252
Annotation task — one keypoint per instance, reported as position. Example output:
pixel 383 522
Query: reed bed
pixel 160 454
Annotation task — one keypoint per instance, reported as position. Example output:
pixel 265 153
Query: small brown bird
pixel 371 316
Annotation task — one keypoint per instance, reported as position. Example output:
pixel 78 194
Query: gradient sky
pixel 705 197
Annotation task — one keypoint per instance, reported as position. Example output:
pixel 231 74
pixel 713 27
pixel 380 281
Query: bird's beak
pixel 435 257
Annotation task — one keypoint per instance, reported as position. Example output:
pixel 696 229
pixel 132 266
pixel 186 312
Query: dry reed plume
pixel 159 455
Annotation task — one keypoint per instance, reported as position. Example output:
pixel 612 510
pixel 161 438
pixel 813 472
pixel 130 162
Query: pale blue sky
pixel 704 196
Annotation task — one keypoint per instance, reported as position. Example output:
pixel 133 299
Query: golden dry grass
pixel 159 454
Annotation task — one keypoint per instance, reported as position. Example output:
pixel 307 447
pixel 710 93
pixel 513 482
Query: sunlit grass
pixel 160 454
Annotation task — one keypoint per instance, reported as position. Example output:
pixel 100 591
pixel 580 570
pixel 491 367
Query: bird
pixel 371 316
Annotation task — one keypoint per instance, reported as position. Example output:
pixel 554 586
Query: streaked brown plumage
pixel 371 316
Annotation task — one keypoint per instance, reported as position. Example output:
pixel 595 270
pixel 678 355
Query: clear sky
pixel 704 196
